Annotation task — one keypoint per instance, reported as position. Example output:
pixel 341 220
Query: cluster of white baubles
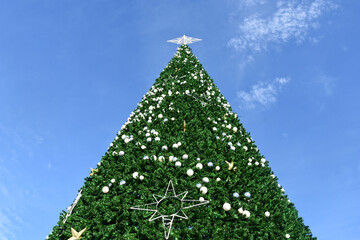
pixel 246 213
pixel 135 175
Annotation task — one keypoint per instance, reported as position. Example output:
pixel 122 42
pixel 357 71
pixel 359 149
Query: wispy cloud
pixel 262 94
pixel 290 20
pixel 249 3
pixel 8 221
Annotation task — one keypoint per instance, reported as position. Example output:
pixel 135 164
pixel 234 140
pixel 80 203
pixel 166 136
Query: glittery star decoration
pixel 231 166
pixel 184 40
pixel 177 204
pixel 93 171
pixel 76 235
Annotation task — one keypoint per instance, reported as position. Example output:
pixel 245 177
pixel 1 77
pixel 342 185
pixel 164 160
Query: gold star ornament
pixel 231 165
pixel 93 171
pixel 76 235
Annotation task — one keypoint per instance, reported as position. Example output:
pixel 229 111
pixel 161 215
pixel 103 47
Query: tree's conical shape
pixel 182 167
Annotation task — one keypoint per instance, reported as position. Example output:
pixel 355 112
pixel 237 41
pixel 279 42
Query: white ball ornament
pixel 112 180
pixel 143 147
pixel 164 148
pixel 135 175
pixel 218 179
pixel 217 168
pixel 198 185
pixel 210 164
pixel 148 139
pixel 160 116
pixel 105 189
pixel 246 213
pixel 141 177
pixel 247 194
pixel 121 153
pixel 287 235
pixel 199 166
pixel 203 190
pixel 205 179
pixel 122 182
pixel 227 207
pixel 157 139
pixel 190 172
pixel 201 199
pixel 178 164
pixel 263 160
pixel 235 129
pixel 185 156
pixel 241 210
pixel 267 214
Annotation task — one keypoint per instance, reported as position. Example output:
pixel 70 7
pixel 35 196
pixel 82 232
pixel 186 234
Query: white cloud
pixel 291 20
pixel 261 94
pixel 249 3
pixel 9 221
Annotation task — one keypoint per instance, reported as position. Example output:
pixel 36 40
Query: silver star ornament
pixel 160 207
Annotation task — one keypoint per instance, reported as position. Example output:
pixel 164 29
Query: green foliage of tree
pixel 183 106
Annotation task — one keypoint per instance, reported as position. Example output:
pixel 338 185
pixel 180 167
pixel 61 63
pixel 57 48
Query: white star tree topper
pixel 177 204
pixel 184 40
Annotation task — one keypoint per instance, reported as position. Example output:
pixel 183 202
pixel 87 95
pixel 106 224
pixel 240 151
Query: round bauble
pixel 122 182
pixel 235 194
pixel 201 199
pixel 105 189
pixel 121 153
pixel 247 194
pixel 199 166
pixel 217 168
pixel 218 179
pixel 203 190
pixel 227 206
pixel 287 235
pixel 185 156
pixel 246 213
pixel 112 180
pixel 178 164
pixel 241 210
pixel 205 179
pixel 210 164
pixel 135 175
pixel 267 214
pixel 190 172
pixel 141 177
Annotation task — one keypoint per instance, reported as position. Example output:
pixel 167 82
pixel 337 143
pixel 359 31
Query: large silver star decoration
pixel 168 207
pixel 184 40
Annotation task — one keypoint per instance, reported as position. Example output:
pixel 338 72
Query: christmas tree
pixel 182 167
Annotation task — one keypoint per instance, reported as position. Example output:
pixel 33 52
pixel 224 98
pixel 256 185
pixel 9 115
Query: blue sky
pixel 71 72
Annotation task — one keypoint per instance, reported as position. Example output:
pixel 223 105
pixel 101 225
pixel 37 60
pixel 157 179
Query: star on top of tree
pixel 184 40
